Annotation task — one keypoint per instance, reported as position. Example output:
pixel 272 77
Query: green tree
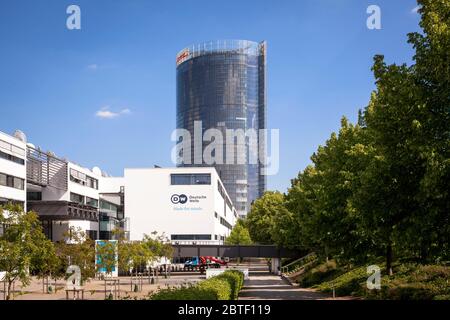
pixel 261 218
pixel 21 243
pixel 45 263
pixel 157 246
pixel 239 235
pixel 403 196
pixel 77 249
pixel 319 196
pixel 432 77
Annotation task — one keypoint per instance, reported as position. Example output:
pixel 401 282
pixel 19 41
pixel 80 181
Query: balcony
pixel 44 169
pixel 63 210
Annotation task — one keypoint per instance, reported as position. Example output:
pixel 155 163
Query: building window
pixel 76 198
pixel 92 183
pixel 83 179
pixel 19 183
pixel 34 196
pixel 77 177
pixel 108 207
pixel 215 215
pixel 10 157
pixel 92 202
pixel 190 237
pixel 188 179
pixel 225 223
pixel 4 201
pixel 11 181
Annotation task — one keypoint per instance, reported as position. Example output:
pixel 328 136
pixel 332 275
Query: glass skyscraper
pixel 223 85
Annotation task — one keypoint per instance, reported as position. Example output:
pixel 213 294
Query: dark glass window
pixel 92 202
pixel 91 182
pixel 76 198
pixel 11 181
pixel 188 179
pixel 225 223
pixel 34 196
pixel 190 237
pixel 83 179
pixel 12 158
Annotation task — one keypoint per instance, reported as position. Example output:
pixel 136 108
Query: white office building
pixel 12 169
pixel 186 204
pixel 65 195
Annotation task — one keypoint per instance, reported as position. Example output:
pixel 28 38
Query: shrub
pixel 319 274
pixel 415 282
pixel 225 286
pixel 190 292
pixel 235 279
pixel 409 282
pixel 220 287
pixel 349 283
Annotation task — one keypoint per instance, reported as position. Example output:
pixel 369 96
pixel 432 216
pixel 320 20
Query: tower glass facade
pixel 222 84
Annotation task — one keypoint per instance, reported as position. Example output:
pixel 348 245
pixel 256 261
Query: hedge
pixel 225 286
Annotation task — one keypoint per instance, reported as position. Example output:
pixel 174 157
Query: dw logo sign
pixel 182 199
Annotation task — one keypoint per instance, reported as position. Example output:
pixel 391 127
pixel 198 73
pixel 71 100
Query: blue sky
pixel 54 81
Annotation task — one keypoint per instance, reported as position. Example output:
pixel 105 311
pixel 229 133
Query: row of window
pixel 12 148
pixel 218 237
pixel 196 237
pixel 108 206
pixel 225 223
pixel 83 179
pixel 190 237
pixel 4 201
pixel 7 180
pixel 10 157
pixel 190 178
pixel 77 198
pixel 224 196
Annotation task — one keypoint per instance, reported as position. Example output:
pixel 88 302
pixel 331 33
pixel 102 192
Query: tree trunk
pixel 389 259
pixel 423 254
pixel 8 296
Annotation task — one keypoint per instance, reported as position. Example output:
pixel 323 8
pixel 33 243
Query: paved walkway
pixel 263 285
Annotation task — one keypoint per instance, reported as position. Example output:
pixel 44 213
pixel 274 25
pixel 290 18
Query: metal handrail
pixel 297 263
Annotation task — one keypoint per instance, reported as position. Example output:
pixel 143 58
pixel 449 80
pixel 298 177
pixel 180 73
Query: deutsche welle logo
pixel 179 198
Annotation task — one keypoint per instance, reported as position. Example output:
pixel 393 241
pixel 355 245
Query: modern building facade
pixel 12 170
pixel 223 85
pixel 185 204
pixel 65 195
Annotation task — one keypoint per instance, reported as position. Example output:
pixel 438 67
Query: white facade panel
pixel 11 146
pixel 152 204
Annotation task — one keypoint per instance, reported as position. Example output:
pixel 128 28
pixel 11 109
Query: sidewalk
pixel 266 286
